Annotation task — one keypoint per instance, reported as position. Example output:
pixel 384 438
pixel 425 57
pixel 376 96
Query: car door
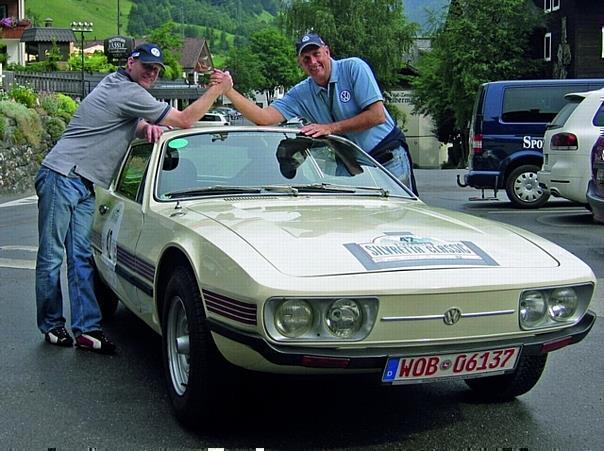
pixel 118 224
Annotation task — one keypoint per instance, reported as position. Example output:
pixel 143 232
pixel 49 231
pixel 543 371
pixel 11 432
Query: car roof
pixel 544 82
pixel 585 94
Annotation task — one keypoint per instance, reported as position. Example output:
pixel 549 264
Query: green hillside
pixel 103 13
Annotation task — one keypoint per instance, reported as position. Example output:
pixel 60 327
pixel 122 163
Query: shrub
pixel 56 104
pixel 29 127
pixel 23 95
pixel 55 128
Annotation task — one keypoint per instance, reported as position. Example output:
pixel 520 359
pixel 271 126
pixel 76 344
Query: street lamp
pixel 82 27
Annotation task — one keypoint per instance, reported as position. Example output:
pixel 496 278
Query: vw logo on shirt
pixel 345 96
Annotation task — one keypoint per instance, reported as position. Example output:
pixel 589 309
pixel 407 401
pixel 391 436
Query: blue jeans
pixel 65 214
pixel 399 166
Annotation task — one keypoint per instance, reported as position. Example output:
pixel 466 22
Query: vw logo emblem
pixel 345 96
pixel 451 316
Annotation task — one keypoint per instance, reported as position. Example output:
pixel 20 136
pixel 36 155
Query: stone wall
pixel 19 163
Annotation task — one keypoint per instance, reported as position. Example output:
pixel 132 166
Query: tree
pixel 169 39
pixel 246 69
pixel 278 65
pixel 480 41
pixel 374 30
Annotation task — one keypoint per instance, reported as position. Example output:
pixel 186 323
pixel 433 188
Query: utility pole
pixel 82 27
pixel 118 16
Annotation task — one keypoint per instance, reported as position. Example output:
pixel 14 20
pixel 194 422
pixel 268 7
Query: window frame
pixel 555 5
pixel 547 46
pixel 547 6
pixel 135 150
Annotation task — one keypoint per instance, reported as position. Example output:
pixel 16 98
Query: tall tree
pixel 169 39
pixel 278 63
pixel 480 41
pixel 246 69
pixel 375 30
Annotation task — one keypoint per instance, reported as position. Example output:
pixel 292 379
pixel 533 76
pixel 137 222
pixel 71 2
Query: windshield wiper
pixel 332 188
pixel 216 189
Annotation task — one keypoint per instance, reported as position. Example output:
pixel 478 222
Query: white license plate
pixel 407 370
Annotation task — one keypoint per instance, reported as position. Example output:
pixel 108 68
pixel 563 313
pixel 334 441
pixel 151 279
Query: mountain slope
pixel 103 14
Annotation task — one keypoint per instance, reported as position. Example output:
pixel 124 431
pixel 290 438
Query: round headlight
pixel 344 318
pixel 533 306
pixel 293 318
pixel 562 304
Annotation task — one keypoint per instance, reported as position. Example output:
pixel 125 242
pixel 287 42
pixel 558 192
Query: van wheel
pixel 522 187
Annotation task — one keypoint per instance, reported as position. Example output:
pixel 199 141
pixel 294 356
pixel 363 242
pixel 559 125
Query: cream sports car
pixel 280 253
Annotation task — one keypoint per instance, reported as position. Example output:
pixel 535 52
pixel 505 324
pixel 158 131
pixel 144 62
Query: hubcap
pixel 526 187
pixel 177 342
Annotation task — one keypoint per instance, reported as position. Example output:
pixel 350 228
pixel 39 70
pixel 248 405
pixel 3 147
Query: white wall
pixel 426 150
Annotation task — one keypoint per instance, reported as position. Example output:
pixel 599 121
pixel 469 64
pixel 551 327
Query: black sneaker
pixel 59 336
pixel 95 341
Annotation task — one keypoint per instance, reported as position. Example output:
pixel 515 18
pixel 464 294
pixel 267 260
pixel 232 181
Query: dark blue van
pixel 506 135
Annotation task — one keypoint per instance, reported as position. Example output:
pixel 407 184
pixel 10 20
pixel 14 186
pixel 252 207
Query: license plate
pixel 407 370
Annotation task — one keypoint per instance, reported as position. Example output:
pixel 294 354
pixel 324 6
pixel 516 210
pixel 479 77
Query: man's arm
pixel 371 116
pixel 194 112
pixel 251 111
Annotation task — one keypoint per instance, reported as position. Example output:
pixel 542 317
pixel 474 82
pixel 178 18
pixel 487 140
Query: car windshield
pixel 268 162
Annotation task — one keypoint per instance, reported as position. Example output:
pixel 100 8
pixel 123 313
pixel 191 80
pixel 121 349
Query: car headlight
pixel 550 307
pixel 293 318
pixel 533 306
pixel 344 317
pixel 320 319
pixel 562 304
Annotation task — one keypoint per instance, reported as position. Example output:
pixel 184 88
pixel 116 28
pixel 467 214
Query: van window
pixel 599 117
pixel 534 104
pixel 565 113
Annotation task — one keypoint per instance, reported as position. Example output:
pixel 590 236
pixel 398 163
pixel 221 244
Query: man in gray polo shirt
pixel 89 152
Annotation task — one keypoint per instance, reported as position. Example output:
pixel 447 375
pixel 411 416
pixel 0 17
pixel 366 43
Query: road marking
pixel 542 212
pixel 17 264
pixel 23 201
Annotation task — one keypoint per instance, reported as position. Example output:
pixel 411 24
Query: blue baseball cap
pixel 149 53
pixel 307 40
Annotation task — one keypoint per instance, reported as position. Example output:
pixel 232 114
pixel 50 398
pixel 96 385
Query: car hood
pixel 307 237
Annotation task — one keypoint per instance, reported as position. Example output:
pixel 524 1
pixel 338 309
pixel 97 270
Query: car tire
pixel 507 386
pixel 105 297
pixel 191 360
pixel 522 187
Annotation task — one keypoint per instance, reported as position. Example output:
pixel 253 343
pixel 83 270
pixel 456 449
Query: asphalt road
pixel 71 399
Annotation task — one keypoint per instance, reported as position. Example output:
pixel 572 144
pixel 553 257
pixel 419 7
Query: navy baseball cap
pixel 149 53
pixel 307 40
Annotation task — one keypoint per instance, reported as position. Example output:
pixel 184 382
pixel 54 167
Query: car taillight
pixel 476 144
pixel 597 158
pixel 564 141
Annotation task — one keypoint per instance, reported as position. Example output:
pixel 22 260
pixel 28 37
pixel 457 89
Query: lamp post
pixel 82 27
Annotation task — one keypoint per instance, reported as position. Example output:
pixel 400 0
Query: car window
pixel 260 159
pixel 599 117
pixel 534 103
pixel 565 112
pixel 131 181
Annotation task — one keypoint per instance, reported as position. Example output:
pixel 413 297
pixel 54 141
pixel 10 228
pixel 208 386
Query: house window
pixel 2 11
pixel 547 5
pixel 547 47
pixel 555 5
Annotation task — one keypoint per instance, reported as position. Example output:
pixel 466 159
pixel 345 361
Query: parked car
pixel 506 135
pixel 281 253
pixel 229 112
pixel 219 118
pixel 595 187
pixel 568 143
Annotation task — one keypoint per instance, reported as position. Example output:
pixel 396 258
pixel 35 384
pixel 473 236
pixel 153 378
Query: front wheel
pixel 522 187
pixel 507 386
pixel 189 356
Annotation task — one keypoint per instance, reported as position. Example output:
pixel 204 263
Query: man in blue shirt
pixel 339 97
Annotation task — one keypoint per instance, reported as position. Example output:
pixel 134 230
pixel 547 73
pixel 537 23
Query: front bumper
pixel 376 357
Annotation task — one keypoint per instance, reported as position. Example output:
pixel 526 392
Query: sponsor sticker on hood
pixel 404 249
